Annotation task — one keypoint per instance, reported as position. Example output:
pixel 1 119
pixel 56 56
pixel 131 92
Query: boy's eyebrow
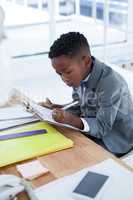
pixel 62 70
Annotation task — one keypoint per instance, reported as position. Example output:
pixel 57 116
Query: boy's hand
pixel 65 117
pixel 49 104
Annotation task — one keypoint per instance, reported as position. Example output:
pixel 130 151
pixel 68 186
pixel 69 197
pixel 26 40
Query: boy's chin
pixel 69 84
pixel 73 85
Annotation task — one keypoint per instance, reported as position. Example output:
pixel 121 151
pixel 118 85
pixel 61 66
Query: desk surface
pixel 84 153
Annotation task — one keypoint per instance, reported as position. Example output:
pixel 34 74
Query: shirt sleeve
pixel 86 125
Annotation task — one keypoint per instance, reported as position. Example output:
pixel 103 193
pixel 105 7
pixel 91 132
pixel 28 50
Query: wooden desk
pixel 84 153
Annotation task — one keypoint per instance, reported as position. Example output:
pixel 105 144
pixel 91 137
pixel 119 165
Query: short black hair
pixel 69 44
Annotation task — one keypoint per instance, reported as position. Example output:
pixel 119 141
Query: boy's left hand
pixel 65 117
pixel 49 104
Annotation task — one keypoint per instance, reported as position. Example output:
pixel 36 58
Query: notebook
pixel 14 150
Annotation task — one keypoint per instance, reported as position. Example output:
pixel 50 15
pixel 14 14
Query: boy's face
pixel 71 70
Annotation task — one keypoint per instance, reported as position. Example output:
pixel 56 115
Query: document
pixel 14 112
pixel 129 160
pixel 7 124
pixel 45 114
pixel 14 116
pixel 117 187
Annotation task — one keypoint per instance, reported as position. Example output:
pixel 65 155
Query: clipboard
pixel 45 114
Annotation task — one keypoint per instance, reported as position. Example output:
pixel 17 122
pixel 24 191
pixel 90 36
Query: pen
pixel 70 105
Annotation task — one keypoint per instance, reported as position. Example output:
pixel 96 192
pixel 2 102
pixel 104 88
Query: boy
pixel 105 107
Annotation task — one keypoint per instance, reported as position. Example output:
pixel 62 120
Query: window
pixel 27 28
pixel 86 7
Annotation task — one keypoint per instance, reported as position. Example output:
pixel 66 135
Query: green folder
pixel 19 149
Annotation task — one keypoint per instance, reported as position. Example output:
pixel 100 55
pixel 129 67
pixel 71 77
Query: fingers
pixel 65 117
pixel 58 115
pixel 47 103
pixel 44 104
pixel 52 105
pixel 56 106
pixel 62 116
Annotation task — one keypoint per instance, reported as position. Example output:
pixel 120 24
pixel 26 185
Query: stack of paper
pixel 118 186
pixel 4 125
pixel 14 112
pixel 15 116
pixel 129 160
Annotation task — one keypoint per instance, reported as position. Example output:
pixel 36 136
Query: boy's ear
pixel 86 60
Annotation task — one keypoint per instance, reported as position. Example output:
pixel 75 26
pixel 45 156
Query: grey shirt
pixel 106 104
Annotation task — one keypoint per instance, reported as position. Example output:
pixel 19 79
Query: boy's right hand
pixel 49 104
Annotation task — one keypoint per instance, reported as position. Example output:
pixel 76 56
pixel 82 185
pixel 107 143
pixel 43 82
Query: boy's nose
pixel 65 79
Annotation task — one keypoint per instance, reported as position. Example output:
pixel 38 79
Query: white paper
pixel 14 112
pixel 14 123
pixel 129 160
pixel 117 187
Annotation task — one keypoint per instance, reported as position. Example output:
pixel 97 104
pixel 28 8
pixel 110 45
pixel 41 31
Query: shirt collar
pixel 94 76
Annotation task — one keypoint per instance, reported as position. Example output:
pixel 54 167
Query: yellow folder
pixel 18 149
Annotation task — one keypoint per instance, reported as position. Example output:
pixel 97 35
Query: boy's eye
pixel 68 72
